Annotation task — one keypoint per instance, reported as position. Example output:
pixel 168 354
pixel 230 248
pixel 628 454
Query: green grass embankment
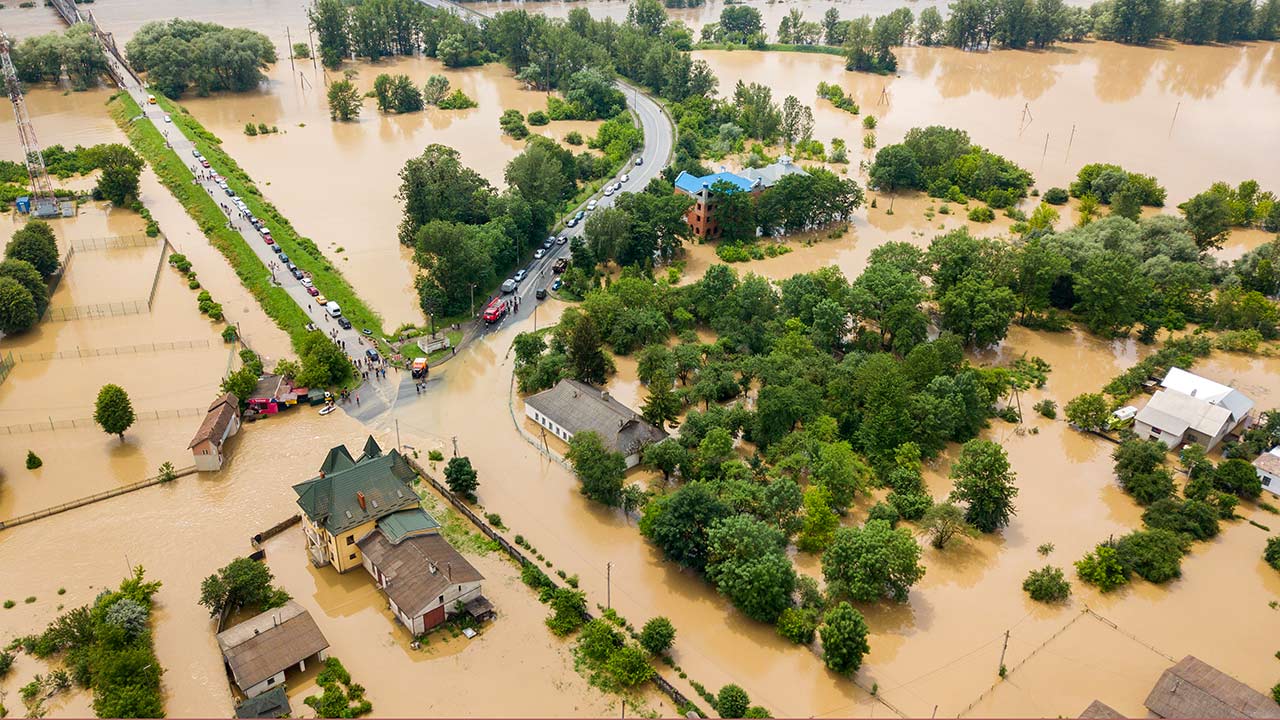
pixel 177 177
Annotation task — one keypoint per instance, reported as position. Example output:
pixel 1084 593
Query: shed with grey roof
pixel 260 649
pixel 572 407
pixel 1190 408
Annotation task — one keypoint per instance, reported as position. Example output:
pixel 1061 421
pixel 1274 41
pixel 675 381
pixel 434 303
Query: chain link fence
pixel 112 351
pixel 6 364
pixel 113 243
pixel 97 310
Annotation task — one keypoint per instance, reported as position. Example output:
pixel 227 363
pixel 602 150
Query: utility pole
pixel 624 707
pixel 1044 152
pixel 473 300
pixel 608 585
pixel 289 39
pixel 455 446
pixel 1002 649
pixel 1175 117
pixel 1069 141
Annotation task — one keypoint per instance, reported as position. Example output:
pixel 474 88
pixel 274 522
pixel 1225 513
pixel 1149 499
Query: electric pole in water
pixel 608 585
pixel 455 446
pixel 1002 649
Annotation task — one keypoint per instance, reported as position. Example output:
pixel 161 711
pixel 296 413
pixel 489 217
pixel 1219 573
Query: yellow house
pixel 344 503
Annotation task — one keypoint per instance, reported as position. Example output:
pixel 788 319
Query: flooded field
pixel 1093 102
pixel 337 181
pixel 158 527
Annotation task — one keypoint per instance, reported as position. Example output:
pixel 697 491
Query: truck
pixel 495 310
pixel 419 368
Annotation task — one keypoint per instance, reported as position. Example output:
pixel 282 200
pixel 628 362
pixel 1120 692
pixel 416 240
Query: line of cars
pixel 298 274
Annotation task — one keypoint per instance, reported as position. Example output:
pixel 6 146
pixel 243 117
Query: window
pixel 271 681
pixel 352 556
pixel 440 599
pixel 1266 481
pixel 351 539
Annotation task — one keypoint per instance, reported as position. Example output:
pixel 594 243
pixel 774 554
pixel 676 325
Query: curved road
pixel 659 143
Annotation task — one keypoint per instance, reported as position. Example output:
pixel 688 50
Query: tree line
pixel 75 52
pixel 180 55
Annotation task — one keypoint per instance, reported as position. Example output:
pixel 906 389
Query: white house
pixel 1190 408
pixel 572 407
pixel 260 649
pixel 1267 465
pixel 423 577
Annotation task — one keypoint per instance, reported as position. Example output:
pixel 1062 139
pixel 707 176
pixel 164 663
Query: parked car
pixel 617 187
pixel 639 161
pixel 625 177
pixel 268 238
pixel 230 192
pixel 562 240
pixel 277 248
pixel 607 192
pixel 297 274
pixel 344 323
pixel 508 286
pixel 557 284
pixel 284 258
pixel 322 300
pixel 272 243
pixel 592 205
pixel 546 244
pixel 195 154
pixel 560 266
pixel 372 355
pixel 571 222
pixel 306 282
pixel 580 214
pixel 333 310
pixel 520 275
pixel 541 294
pixel 167 118
pixel 537 254
pixel 312 291
pixel 204 163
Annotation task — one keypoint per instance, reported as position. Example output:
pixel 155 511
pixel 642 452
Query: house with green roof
pixel 347 499
pixel 363 512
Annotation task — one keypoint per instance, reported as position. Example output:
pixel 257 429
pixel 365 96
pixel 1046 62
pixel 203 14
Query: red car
pixel 312 291
pixel 270 241
pixel 268 238
pixel 204 163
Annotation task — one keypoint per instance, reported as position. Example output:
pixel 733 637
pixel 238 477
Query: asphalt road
pixel 659 142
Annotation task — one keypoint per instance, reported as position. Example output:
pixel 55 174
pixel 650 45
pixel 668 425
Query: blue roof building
pixel 692 184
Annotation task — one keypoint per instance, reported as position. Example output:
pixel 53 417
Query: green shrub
pixel 435 455
pixel 568 611
pixel 798 625
pixel 573 137
pixel 9 604
pixel 1102 568
pixel 1056 196
pixel 657 635
pixel 1047 585
pixel 1047 408
pixel 495 520
pixel 537 117
pixel 1272 552
pixel 883 511
pixel 982 214
pixel 1155 555
pixel 732 702
pixel 250 129
pixel 911 506
pixel 33 460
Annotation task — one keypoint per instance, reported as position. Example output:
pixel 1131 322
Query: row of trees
pixel 76 52
pixel 797 202
pixel 383 28
pixel 31 259
pixel 180 54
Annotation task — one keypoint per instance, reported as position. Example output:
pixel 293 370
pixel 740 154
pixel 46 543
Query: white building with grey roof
pixel 571 407
pixel 1193 409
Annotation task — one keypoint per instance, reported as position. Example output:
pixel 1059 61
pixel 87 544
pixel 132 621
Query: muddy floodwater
pixel 1092 102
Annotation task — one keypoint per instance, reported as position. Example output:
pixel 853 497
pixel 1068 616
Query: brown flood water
pixel 337 181
pixel 1120 100
pixel 158 527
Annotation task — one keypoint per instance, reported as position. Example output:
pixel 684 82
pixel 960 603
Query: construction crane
pixel 43 202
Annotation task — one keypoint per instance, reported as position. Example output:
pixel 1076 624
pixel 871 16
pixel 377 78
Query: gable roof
pixel 406 523
pixel 332 500
pixel 1269 462
pixel 578 407
pixel 408 567
pixel 1099 710
pixel 1174 412
pixel 337 459
pixel 371 449
pixel 270 642
pixel 1203 388
pixel 692 184
pixel 221 414
pixel 1195 689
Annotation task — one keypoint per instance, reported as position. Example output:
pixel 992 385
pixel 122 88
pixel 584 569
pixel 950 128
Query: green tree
pixel 895 168
pixel 28 277
pixel 1155 555
pixel 35 243
pixel 944 521
pixel 1111 292
pixel 240 584
pixel 607 230
pixel 344 100
pixel 1140 471
pixel 977 311
pixel 666 455
pixel 241 383
pixel 1047 585
pixel 1102 567
pixel 747 562
pixel 819 522
pixel 1089 411
pixel 113 410
pixel 599 469
pixel 657 635
pixel 1209 217
pixel 678 523
pixel 461 477
pixel 844 639
pixel 17 307
pixel 586 354
pixel 732 702
pixel 984 482
pixel 1272 552
pixel 1238 477
pixel 872 563
pixel 662 406
pixel 1195 518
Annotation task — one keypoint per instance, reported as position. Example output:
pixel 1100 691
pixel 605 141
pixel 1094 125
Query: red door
pixel 432 618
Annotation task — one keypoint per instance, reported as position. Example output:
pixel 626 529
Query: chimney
pixel 321 474
pixel 448 571
pixel 275 619
pixel 604 395
pixel 360 499
pixel 432 567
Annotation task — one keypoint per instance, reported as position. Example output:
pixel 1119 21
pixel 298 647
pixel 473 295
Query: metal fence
pixel 97 310
pixel 75 423
pixel 112 351
pixel 113 243
pixel 6 364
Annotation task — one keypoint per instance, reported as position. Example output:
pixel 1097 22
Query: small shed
pixel 1195 689
pixel 273 703
pixel 260 649
pixel 221 421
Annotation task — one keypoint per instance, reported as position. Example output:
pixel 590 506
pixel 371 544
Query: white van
pixel 333 309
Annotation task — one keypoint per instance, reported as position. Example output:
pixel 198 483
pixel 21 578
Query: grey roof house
pixel 1190 408
pixel 1195 689
pixel 260 649
pixel 572 407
